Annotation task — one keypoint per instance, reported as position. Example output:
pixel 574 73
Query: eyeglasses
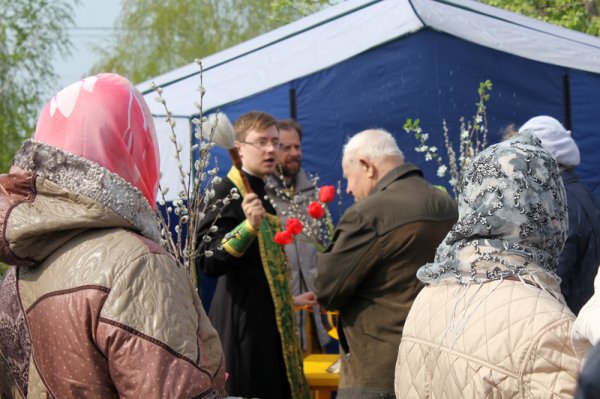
pixel 263 144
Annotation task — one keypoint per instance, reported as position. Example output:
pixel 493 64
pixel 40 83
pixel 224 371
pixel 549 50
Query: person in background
pixel 588 386
pixel 586 332
pixel 491 321
pixel 580 257
pixel 368 271
pixel 252 308
pixel 92 305
pixel 289 183
pixel 586 329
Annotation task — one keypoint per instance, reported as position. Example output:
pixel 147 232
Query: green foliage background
pixel 155 36
pixel 580 15
pixel 32 33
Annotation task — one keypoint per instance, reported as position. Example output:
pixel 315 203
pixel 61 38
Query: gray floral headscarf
pixel 512 218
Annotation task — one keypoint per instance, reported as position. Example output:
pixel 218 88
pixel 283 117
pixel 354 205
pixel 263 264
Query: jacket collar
pixel 569 176
pixel 301 182
pixel 396 174
pixel 79 175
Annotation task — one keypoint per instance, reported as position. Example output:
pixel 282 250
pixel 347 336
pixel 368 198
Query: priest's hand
pixel 253 210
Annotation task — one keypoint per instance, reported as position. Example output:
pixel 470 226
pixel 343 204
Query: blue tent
pixel 375 63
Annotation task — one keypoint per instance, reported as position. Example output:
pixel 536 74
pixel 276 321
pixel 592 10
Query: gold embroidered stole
pixel 275 267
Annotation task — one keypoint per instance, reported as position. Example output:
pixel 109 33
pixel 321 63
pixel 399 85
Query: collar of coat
pixel 88 178
pixel 301 183
pixel 396 174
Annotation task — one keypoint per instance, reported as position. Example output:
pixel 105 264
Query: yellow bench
pixel 319 380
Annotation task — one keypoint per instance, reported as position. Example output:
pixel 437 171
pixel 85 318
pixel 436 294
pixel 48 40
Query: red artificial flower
pixel 283 238
pixel 294 226
pixel 315 210
pixel 326 194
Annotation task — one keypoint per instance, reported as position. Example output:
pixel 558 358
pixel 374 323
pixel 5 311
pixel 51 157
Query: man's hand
pixel 253 210
pixel 304 300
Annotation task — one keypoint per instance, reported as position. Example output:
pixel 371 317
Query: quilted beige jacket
pixel 94 307
pixel 502 339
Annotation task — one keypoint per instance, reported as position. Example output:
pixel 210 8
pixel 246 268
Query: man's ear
pixel 368 166
pixel 238 146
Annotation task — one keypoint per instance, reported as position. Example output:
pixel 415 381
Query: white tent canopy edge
pixel 352 27
pixel 337 34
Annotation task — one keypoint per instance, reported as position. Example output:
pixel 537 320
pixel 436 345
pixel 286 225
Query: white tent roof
pixel 352 27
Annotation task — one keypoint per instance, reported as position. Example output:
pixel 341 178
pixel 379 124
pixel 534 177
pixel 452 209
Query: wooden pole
pixel 237 162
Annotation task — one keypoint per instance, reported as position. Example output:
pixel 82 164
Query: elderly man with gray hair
pixel 368 271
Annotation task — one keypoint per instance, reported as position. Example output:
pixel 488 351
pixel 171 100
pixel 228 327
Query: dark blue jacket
pixel 589 384
pixel 579 260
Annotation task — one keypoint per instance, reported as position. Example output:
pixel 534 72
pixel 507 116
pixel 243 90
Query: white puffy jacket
pixel 503 339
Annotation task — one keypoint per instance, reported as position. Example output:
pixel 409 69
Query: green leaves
pixel 32 33
pixel 581 15
pixel 412 126
pixel 285 11
pixel 156 36
pixel 483 88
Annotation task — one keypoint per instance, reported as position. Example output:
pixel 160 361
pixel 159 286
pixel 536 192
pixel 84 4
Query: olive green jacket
pixel 368 273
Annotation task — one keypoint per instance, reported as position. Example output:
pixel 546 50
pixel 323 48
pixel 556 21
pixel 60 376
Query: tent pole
pixel 567 102
pixel 293 110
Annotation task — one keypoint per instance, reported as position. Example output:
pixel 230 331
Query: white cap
pixel 555 138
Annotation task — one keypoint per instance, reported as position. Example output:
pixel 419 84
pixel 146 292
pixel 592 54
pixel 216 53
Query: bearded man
pixel 289 182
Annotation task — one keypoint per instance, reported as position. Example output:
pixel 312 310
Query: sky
pixel 93 25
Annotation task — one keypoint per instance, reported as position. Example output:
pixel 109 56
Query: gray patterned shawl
pixel 512 218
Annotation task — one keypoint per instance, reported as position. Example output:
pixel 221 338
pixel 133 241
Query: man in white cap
pixel 580 257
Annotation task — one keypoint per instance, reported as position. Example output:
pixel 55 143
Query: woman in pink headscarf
pixel 92 305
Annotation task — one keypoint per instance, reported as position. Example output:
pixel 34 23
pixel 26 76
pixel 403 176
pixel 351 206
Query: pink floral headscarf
pixel 104 119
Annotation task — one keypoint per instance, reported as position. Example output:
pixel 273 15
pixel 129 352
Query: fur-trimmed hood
pixel 50 196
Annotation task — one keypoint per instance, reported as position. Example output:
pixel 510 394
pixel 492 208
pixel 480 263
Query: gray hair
pixel 373 144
